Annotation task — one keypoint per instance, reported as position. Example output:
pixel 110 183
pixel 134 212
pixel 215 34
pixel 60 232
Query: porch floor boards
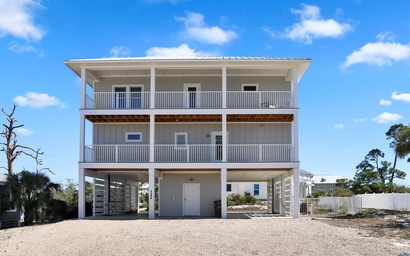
pixel 258 118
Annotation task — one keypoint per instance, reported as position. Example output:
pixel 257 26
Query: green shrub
pixel 238 199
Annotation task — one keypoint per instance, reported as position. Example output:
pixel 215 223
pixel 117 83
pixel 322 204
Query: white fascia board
pixel 188 111
pixel 211 165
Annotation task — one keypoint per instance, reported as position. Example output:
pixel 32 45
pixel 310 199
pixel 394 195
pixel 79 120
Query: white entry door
pixel 216 149
pixel 192 95
pixel 191 199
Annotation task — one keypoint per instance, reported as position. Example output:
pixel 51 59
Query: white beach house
pixel 189 125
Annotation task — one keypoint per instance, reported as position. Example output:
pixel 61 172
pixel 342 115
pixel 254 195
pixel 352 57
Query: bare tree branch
pixel 11 147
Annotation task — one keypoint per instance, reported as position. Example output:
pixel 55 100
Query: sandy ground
pixel 256 236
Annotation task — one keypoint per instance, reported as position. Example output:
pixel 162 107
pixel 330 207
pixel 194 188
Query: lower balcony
pixel 200 153
pixel 197 99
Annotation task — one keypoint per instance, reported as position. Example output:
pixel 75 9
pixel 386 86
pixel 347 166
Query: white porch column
pixel 81 193
pixel 82 137
pixel 224 138
pixel 152 88
pixel 295 88
pixel 152 138
pixel 224 87
pixel 223 193
pixel 296 137
pixel 151 193
pixel 296 203
pixel 137 191
pixel 83 89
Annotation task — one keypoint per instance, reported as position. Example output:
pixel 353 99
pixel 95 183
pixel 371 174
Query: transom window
pixel 181 140
pixel 249 87
pixel 133 137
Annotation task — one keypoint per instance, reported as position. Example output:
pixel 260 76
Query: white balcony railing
pixel 116 153
pixel 259 99
pixel 180 99
pixel 168 100
pixel 117 100
pixel 203 153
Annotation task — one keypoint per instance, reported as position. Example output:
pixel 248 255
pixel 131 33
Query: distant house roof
pixel 326 178
pixel 306 173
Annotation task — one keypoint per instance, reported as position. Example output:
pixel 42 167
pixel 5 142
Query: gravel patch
pixel 257 236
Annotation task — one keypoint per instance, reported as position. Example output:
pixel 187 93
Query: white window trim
pixel 198 95
pixel 181 146
pixel 128 91
pixel 136 133
pixel 256 85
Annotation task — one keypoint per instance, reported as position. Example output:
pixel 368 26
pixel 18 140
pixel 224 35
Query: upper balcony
pixel 184 99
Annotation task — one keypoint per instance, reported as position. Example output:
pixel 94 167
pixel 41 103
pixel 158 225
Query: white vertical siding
pixel 171 192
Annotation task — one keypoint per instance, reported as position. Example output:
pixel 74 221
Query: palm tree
pixel 400 135
pixel 32 193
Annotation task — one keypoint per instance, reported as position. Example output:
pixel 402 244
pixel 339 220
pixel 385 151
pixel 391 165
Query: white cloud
pixel 24 132
pixel 386 36
pixel 16 19
pixel 402 96
pixel 196 29
pixel 38 100
pixel 17 48
pixel 387 117
pixel 360 120
pixel 120 51
pixel 379 53
pixel 181 51
pixel 339 126
pixel 312 26
pixel 385 102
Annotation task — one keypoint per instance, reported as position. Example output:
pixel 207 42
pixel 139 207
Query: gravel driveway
pixel 256 236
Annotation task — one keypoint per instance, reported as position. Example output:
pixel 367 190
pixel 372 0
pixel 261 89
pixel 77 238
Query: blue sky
pixel 356 87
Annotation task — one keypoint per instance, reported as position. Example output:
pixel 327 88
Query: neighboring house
pixel 11 217
pixel 326 182
pixel 191 125
pixel 260 189
pixel 306 184
pixel 257 189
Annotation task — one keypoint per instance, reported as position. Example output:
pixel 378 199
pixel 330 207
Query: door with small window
pixel 192 95
pixel 120 97
pixel 217 149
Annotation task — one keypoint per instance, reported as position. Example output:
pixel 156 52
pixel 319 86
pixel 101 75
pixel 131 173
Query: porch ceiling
pixel 233 175
pixel 189 118
pixel 253 175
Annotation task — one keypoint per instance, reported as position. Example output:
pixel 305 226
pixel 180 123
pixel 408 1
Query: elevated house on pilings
pixel 189 125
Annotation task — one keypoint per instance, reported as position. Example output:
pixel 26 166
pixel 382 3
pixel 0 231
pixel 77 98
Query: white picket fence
pixel 354 204
pixel 389 201
pixel 330 205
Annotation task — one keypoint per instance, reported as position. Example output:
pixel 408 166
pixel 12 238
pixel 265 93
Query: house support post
pixel 151 193
pixel 223 194
pixel 151 138
pixel 137 196
pixel 152 86
pixel 224 139
pixel 296 203
pixel 224 87
pixel 81 193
